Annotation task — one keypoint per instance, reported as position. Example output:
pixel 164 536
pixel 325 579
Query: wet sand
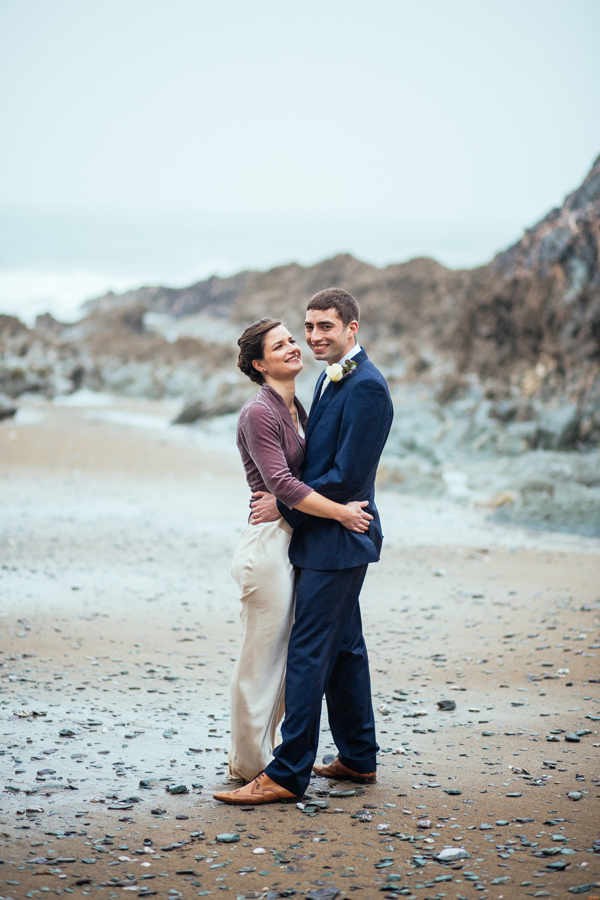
pixel 119 624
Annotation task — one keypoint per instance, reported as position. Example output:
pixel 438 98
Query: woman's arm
pixel 351 515
pixel 262 438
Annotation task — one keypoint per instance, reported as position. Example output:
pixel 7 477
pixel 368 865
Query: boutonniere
pixel 336 372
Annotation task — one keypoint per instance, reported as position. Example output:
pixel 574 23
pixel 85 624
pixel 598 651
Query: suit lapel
pixel 317 393
pixel 319 403
pixel 319 407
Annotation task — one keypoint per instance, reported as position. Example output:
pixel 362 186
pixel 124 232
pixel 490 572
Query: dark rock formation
pixel 7 407
pixel 538 303
pixel 200 409
pixel 215 296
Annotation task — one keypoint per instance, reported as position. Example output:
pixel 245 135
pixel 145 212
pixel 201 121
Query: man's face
pixel 327 336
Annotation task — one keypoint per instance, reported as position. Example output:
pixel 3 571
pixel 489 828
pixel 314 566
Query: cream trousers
pixel 265 577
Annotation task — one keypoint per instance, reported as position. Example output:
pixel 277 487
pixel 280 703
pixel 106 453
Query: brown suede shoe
pixel 261 790
pixel 340 772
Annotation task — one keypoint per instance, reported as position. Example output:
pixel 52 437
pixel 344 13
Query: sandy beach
pixel 119 624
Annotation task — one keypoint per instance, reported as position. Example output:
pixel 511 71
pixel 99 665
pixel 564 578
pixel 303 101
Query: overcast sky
pixel 162 141
pixel 466 109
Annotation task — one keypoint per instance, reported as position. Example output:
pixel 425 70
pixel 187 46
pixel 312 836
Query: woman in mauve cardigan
pixel 270 438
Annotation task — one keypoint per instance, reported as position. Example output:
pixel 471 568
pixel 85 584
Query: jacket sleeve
pixel 364 429
pixel 261 434
pixel 292 516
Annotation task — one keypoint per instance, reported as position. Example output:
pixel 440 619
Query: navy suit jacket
pixel 345 435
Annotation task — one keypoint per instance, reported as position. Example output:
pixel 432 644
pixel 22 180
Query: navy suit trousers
pixel 326 655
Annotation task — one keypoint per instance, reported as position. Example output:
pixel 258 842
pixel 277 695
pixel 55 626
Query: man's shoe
pixel 261 790
pixel 340 772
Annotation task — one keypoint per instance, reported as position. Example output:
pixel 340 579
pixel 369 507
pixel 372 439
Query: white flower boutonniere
pixel 336 372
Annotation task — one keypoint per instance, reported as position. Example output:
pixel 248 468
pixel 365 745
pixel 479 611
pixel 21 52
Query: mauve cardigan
pixel 272 451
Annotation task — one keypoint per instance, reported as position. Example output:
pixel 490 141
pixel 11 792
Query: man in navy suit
pixel 347 428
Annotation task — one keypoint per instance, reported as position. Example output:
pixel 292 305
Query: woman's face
pixel 282 357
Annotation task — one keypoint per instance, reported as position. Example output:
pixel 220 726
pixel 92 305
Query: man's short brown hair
pixel 335 298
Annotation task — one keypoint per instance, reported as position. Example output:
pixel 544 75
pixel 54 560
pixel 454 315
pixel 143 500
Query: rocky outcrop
pixel 7 407
pixel 521 333
pixel 538 303
pixel 215 296
pixel 30 361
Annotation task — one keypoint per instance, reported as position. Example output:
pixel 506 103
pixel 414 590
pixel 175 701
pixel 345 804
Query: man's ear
pixel 353 326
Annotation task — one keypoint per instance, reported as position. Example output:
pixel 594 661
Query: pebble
pixel 228 838
pixel 574 795
pixel 446 705
pixel 178 789
pixel 451 854
pixel 326 893
pixel 572 738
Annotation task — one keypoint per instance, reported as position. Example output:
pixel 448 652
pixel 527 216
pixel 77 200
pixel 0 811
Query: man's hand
pixel 264 508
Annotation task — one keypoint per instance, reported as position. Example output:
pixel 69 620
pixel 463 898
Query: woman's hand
pixel 264 508
pixel 354 517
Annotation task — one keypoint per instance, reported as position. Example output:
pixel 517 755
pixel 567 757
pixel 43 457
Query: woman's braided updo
pixel 251 343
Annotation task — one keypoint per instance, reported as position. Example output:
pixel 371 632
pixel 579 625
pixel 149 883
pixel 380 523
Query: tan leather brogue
pixel 261 789
pixel 340 772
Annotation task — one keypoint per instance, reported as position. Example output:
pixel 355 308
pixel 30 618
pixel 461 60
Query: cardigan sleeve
pixel 261 432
